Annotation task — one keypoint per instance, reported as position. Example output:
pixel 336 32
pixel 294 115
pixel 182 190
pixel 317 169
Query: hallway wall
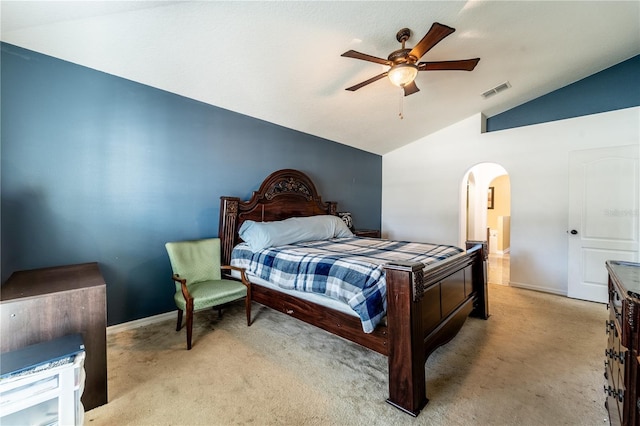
pixel 498 218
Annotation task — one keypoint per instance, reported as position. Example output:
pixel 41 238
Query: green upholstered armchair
pixel 197 274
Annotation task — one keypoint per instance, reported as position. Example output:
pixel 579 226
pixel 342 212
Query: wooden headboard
pixel 283 194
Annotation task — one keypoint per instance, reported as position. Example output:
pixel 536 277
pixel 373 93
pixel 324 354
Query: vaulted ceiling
pixel 280 61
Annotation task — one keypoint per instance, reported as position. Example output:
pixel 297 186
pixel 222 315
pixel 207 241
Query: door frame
pixel 476 211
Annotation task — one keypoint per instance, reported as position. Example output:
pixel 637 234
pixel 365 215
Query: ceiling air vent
pixel 499 88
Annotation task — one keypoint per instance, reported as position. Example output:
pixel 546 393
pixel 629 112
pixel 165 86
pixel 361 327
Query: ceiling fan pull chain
pixel 400 114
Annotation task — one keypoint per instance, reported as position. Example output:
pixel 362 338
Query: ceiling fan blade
pixel 364 83
pixel 436 33
pixel 365 57
pixel 410 88
pixel 461 65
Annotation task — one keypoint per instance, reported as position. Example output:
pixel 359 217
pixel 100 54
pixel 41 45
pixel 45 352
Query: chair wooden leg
pixel 179 325
pixel 189 323
pixel 247 304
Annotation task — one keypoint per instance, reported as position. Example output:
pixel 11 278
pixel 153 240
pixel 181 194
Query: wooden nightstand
pixel 371 233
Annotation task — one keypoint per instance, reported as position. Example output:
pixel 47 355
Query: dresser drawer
pixel 615 414
pixel 614 402
pixel 636 375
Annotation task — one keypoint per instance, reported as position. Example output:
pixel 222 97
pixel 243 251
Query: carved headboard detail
pixel 288 185
pixel 283 194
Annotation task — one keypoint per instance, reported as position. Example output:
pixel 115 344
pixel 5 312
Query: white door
pixel 604 216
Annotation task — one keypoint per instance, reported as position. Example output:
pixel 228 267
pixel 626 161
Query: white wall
pixel 421 185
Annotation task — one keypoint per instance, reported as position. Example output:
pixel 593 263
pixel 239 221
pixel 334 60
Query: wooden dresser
pixel 43 304
pixel 622 362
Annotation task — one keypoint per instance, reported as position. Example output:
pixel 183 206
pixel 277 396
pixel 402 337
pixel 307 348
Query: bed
pixel 425 305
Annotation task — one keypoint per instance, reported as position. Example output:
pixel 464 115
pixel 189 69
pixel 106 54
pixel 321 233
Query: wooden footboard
pixel 426 307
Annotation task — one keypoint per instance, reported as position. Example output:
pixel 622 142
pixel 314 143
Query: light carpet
pixel 538 360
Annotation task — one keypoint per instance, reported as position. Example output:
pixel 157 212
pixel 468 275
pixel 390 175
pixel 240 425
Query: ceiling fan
pixel 404 62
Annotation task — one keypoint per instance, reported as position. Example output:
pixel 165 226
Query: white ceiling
pixel 280 61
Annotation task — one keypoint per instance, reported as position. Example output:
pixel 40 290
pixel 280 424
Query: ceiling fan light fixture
pixel 402 74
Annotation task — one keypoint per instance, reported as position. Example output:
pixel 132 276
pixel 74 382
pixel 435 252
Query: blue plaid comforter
pixel 347 269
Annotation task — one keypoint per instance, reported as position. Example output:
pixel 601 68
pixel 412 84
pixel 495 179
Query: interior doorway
pixel 486 215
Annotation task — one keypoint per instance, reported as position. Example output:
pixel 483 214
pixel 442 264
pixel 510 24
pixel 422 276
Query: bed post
pixel 227 226
pixel 407 378
pixel 479 279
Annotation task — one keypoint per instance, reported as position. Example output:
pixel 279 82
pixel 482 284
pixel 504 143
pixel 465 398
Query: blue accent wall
pixel 614 88
pixel 96 168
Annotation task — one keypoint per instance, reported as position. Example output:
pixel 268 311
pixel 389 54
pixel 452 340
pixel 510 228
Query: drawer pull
pixel 608 390
pixel 610 325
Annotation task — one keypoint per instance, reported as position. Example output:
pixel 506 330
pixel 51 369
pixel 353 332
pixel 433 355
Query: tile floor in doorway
pixel 498 268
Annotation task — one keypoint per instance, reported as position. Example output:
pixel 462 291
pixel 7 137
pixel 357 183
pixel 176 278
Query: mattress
pixel 347 270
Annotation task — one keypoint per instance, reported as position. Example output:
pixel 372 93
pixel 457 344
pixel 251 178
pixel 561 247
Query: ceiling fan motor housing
pixel 400 56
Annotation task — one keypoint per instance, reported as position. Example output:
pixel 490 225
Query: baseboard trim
pixel 141 322
pixel 173 314
pixel 537 288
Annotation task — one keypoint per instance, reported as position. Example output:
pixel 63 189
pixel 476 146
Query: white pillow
pixel 261 235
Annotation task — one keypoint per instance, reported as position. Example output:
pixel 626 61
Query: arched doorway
pixel 485 212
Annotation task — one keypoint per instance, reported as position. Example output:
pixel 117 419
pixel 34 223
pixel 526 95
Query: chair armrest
pixel 179 279
pixel 245 281
pixel 183 285
pixel 243 277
